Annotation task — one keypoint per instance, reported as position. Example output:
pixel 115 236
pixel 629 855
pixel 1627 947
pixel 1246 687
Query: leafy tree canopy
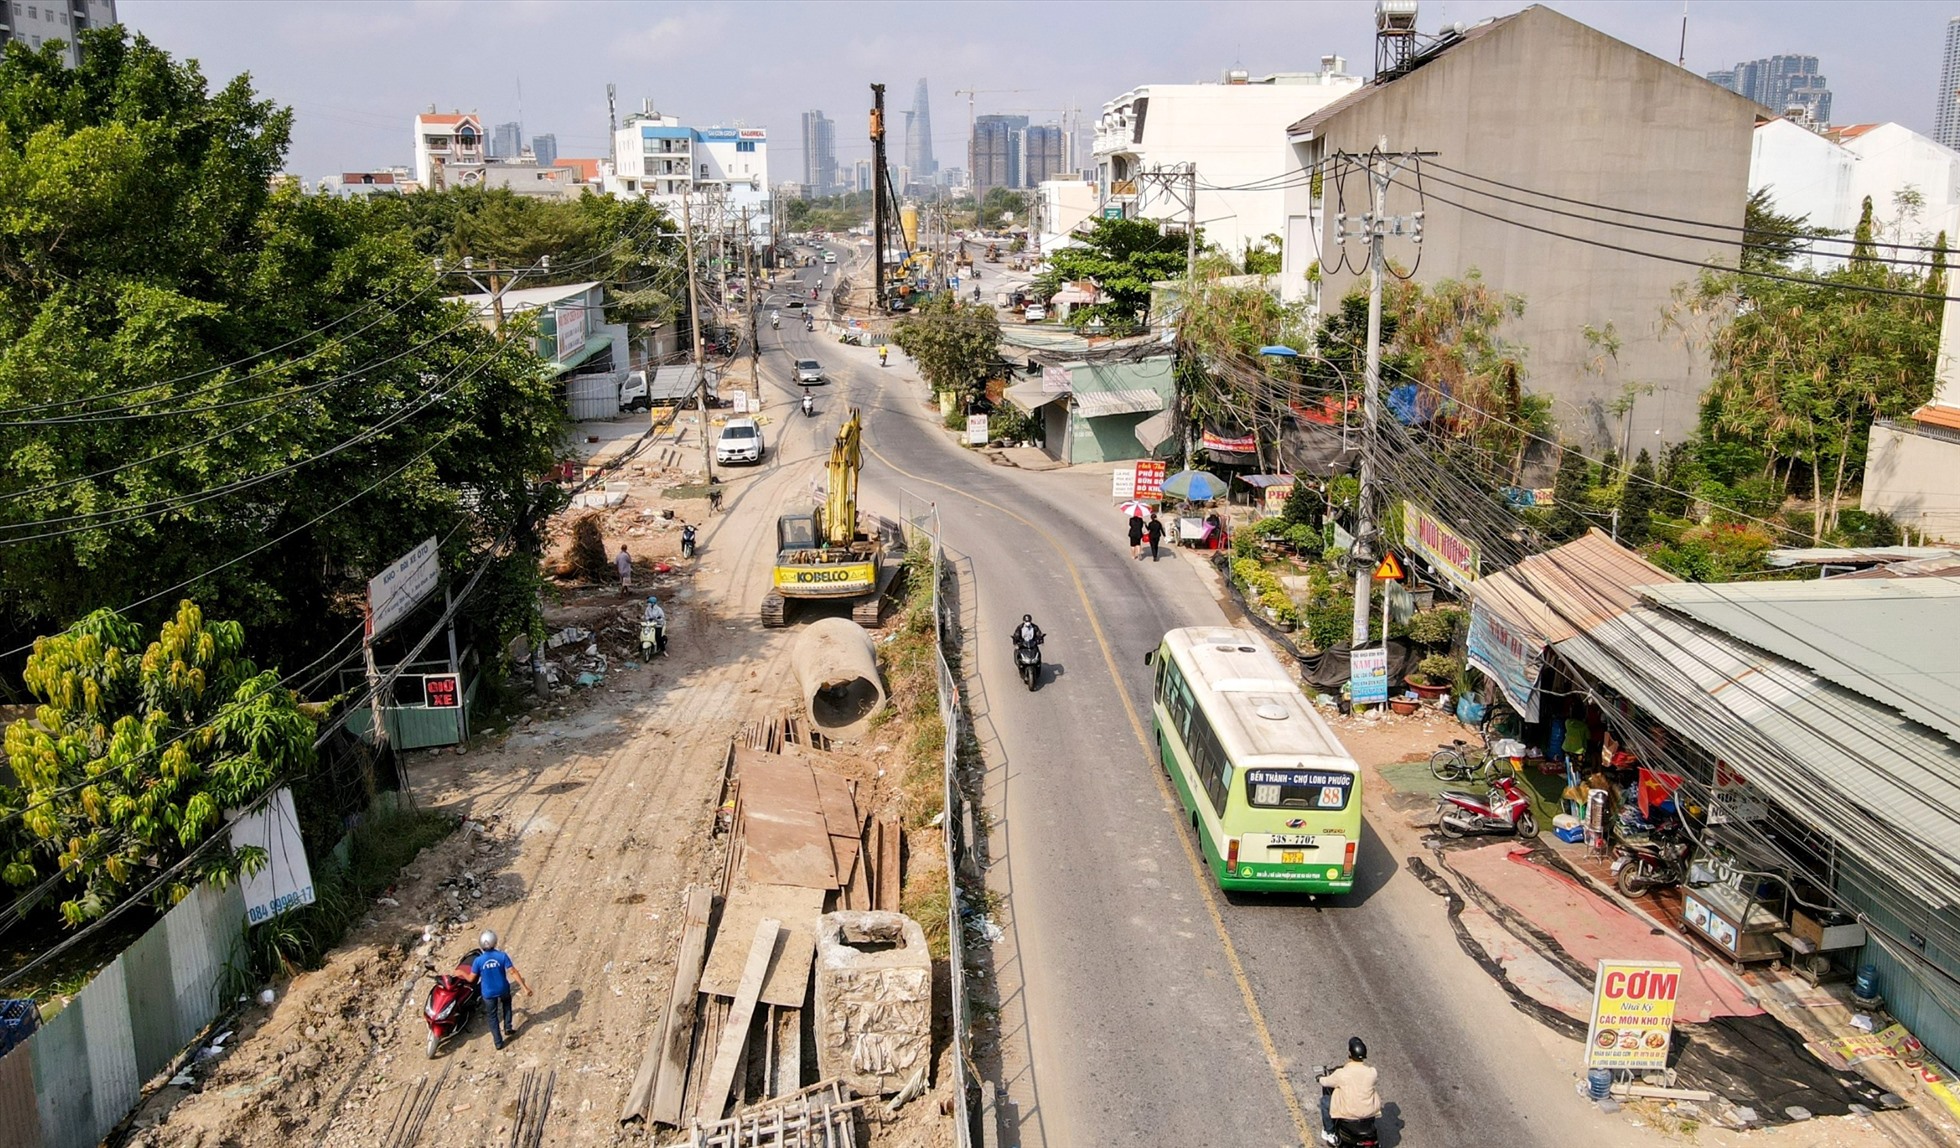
pixel 196 366
pixel 135 752
pixel 1123 257
pixel 953 343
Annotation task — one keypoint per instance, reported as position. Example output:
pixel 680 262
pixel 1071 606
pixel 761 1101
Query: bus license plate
pixel 1293 857
pixel 1291 840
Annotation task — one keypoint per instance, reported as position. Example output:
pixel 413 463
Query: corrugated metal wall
pixel 1924 1012
pixel 69 1084
pixel 589 398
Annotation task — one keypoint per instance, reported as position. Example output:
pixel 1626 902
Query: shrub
pixel 1715 553
pixel 1305 537
pixel 1864 528
pixel 1273 527
pixel 1435 627
pixel 1437 670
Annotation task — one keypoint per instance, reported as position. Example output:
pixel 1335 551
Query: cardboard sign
pixel 1632 1015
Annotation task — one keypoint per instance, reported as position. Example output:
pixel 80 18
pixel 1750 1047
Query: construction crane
pixel 824 555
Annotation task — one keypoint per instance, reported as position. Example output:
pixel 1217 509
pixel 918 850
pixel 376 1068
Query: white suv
pixel 740 441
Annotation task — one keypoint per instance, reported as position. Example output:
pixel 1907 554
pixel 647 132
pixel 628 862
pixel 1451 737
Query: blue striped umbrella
pixel 1194 486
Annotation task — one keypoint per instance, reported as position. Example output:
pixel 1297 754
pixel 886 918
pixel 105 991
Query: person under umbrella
pixel 1136 535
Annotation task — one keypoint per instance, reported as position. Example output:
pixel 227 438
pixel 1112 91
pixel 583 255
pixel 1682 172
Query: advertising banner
pixel 1512 658
pixel 395 591
pixel 1276 497
pixel 285 881
pixel 1149 481
pixel 1235 444
pixel 1123 483
pixel 976 430
pixel 1452 555
pixel 1632 1015
pixel 1368 675
pixel 570 320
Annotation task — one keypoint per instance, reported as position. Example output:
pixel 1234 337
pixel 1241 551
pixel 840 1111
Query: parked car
pixel 1035 313
pixel 740 441
pixel 809 373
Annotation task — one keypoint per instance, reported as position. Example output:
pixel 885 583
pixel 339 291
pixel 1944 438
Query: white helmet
pixel 487 939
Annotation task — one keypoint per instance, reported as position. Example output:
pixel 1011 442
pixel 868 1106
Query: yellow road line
pixel 1198 869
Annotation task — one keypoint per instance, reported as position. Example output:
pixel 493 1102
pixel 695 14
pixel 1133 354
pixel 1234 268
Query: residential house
pixel 1912 465
pixel 1551 107
pixel 361 184
pixel 580 349
pixel 658 157
pixel 1232 133
pixel 1060 206
pixel 446 147
pixel 33 25
pixel 1912 180
pixel 1096 412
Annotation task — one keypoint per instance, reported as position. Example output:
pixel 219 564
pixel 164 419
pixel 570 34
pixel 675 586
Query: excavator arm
pixel 840 514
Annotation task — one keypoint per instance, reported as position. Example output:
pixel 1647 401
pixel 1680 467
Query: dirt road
pixel 585 821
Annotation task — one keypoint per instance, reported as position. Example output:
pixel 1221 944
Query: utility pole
pixel 497 297
pixel 694 324
pixel 755 303
pixel 1376 226
pixel 880 210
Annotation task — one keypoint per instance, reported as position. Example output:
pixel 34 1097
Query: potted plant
pixel 1435 676
pixel 1404 705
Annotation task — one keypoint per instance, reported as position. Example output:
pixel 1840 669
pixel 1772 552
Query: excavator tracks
pixel 775 610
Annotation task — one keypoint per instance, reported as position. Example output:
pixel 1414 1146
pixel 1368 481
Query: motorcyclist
pixel 1354 1104
pixel 883 352
pixel 1027 633
pixel 654 614
pixel 809 404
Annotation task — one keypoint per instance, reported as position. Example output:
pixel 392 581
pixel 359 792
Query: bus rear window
pixel 1298 789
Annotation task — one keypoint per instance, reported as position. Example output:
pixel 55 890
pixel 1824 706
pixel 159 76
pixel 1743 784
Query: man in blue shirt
pixel 493 970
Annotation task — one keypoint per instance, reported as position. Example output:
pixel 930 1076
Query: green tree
pixel 134 754
pixel 1123 257
pixel 1771 240
pixel 1637 501
pixel 1303 505
pixel 1264 257
pixel 1568 518
pixel 1001 202
pixel 953 343
pixel 208 372
pixel 1864 250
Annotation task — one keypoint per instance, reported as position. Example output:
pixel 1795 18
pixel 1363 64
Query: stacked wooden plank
pixel 734 1029
pixel 821 1116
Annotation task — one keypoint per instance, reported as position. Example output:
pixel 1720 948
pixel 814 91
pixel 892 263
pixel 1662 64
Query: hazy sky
pixel 356 71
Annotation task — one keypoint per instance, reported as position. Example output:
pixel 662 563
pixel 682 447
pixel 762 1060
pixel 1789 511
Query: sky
pixel 357 71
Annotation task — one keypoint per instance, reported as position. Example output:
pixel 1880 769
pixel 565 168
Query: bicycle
pixel 1460 761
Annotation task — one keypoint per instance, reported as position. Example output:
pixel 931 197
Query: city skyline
pixel 356 74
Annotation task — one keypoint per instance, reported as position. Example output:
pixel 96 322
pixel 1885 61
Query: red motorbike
pixel 1505 809
pixel 452 1004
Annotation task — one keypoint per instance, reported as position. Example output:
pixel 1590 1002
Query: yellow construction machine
pixel 823 555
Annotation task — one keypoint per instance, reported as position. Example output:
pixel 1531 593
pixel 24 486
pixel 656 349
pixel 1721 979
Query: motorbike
pixel 653 639
pixel 775 324
pixel 687 541
pixel 881 358
pixel 1351 1133
pixel 1505 809
pixel 1660 861
pixel 452 1002
pixel 809 407
pixel 1027 662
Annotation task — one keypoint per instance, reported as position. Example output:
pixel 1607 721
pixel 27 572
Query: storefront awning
pixel 1030 397
pixel 1262 481
pixel 1101 404
pixel 1154 431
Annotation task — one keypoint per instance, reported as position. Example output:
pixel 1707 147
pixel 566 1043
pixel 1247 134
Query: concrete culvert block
pixel 874 1000
pixel 837 669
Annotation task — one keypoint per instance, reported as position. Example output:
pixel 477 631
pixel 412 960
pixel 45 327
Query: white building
pixel 660 158
pixel 1061 205
pixel 1912 465
pixel 446 146
pixel 1827 178
pixel 1235 134
pixel 36 24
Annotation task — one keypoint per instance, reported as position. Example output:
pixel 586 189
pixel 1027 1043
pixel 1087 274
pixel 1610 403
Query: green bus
pixel 1274 798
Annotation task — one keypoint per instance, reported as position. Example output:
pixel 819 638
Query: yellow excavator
pixel 823 555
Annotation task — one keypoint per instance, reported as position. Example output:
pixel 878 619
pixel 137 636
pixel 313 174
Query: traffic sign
pixel 1390 569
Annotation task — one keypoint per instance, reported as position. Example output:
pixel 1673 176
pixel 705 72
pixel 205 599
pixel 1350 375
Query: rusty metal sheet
pixel 20 1114
pixel 785 838
pixel 788 981
pixel 839 807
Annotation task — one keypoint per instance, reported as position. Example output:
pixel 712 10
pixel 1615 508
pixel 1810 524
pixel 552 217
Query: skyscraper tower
pixel 918 136
pixel 1946 118
pixel 819 153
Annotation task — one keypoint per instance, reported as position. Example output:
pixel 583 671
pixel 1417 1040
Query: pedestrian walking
pixel 1156 532
pixel 1136 537
pixel 493 971
pixel 624 564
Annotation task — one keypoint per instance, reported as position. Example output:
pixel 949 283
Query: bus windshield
pixel 1323 789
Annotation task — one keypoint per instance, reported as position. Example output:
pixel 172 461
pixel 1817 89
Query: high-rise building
pixel 861 175
pixel 819 153
pixel 996 151
pixel 1044 154
pixel 1780 83
pixel 545 148
pixel 47 23
pixel 1946 119
pixel 507 140
pixel 918 136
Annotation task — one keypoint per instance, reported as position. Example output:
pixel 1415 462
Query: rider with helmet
pixel 1354 1104
pixel 1027 633
pixel 493 971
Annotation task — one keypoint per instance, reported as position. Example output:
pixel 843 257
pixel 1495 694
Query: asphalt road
pixel 1139 1005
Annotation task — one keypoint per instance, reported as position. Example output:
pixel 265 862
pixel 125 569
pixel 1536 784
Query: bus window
pixel 1326 790
pixel 1211 764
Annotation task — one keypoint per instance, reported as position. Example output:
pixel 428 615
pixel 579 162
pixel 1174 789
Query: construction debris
pixel 821 1116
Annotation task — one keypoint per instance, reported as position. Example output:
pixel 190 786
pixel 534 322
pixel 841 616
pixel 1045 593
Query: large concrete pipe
pixel 838 670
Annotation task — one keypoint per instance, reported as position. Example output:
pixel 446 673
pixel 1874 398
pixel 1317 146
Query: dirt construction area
pixel 585 818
